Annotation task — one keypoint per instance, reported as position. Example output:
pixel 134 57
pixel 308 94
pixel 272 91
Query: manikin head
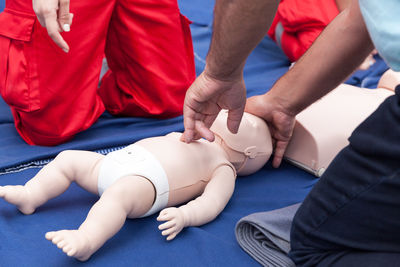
pixel 250 148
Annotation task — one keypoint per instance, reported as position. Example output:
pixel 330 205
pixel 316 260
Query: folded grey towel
pixel 266 236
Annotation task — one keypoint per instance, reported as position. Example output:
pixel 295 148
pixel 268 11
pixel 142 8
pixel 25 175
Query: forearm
pixel 216 195
pixel 337 52
pixel 239 25
pixel 200 211
pixel 342 4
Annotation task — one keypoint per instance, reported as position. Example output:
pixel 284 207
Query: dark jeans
pixel 352 215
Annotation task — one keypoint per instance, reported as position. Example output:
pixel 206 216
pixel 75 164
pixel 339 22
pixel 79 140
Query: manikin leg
pixel 131 197
pixel 51 181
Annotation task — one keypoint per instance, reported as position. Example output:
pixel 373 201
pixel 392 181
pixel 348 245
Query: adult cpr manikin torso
pixel 322 129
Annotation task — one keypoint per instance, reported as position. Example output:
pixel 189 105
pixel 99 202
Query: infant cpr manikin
pixel 188 184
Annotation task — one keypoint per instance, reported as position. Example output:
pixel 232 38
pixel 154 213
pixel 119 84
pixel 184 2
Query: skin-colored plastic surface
pixel 389 80
pixel 323 128
pixel 201 172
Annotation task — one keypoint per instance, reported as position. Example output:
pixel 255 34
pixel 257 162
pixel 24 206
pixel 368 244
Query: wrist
pixel 284 103
pixel 185 215
pixel 223 73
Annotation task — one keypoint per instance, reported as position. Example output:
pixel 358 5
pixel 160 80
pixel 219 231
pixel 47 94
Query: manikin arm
pixel 204 208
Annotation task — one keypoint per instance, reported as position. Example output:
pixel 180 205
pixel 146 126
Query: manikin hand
pixel 175 222
pixel 280 121
pixel 55 17
pixel 205 98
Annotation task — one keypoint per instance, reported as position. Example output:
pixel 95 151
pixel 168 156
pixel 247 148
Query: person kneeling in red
pixel 54 94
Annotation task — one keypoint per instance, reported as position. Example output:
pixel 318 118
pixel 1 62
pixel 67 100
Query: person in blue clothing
pixel 351 216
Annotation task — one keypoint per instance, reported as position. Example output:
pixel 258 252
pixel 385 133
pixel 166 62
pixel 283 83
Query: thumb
pixel 258 106
pixel 252 105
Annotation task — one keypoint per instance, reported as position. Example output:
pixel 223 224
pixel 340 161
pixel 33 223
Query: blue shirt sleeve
pixel 383 23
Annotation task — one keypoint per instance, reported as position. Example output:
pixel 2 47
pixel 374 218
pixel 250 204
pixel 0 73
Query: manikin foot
pixel 19 196
pixel 74 243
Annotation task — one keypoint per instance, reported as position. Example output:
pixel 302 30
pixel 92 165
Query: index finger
pixel 204 131
pixel 52 29
pixel 189 124
pixel 279 152
pixel 64 17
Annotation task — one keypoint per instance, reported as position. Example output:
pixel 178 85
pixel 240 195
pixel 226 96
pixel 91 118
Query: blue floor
pixel 139 242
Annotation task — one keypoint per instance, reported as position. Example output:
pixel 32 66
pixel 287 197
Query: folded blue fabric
pixel 266 236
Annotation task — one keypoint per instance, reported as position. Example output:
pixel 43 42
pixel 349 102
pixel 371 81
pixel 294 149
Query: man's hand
pixel 204 100
pixel 55 17
pixel 280 121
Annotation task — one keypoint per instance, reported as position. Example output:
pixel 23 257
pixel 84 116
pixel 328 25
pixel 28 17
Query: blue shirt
pixel 382 19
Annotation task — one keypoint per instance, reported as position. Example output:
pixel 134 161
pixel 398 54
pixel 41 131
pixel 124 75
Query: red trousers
pixel 54 95
pixel 302 21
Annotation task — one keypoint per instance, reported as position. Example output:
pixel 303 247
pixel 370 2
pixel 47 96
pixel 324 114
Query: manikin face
pixel 250 148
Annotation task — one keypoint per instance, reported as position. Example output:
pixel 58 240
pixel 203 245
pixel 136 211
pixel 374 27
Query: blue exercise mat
pixel 107 134
pixel 265 65
pixel 139 243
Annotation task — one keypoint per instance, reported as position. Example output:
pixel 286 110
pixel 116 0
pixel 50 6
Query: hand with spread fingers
pixel 204 100
pixel 54 15
pixel 238 27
